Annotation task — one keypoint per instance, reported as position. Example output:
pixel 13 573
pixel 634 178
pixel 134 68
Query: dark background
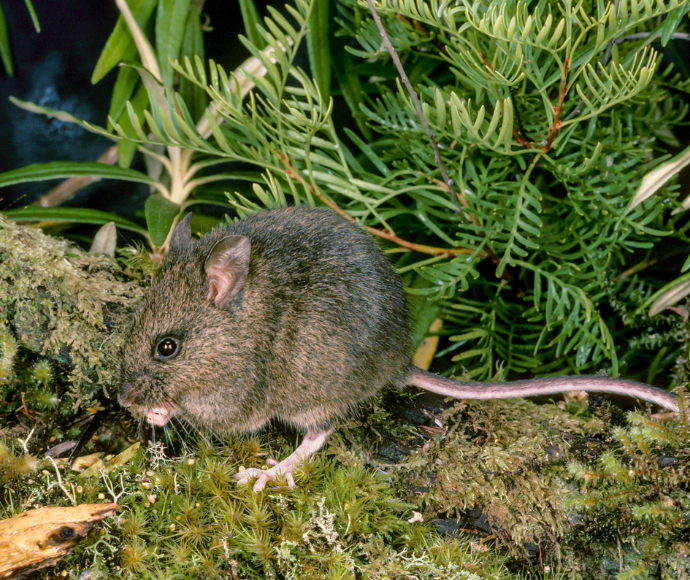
pixel 53 68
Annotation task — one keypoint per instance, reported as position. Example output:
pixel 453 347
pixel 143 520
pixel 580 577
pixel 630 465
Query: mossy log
pixel 67 305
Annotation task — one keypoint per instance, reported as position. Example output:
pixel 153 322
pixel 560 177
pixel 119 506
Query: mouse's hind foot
pixel 312 442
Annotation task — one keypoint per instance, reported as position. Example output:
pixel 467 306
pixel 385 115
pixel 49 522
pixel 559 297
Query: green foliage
pixel 318 41
pixel 634 500
pixel 531 118
pixel 120 45
pixel 160 215
pixel 251 19
pixel 548 115
pixel 5 50
pixel 5 53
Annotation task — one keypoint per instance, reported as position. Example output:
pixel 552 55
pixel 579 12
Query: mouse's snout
pixel 128 394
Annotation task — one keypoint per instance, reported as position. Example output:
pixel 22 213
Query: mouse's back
pixel 317 326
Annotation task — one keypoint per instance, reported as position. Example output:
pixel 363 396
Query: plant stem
pixel 403 77
pixel 386 235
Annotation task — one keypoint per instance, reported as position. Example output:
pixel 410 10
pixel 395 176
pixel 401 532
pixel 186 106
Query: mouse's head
pixel 178 342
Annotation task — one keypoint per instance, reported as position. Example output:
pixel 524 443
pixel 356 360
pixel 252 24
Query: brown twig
pixel 291 172
pixel 69 188
pixel 417 106
pixel 25 409
pixel 635 269
pixel 557 109
pixel 578 109
pixel 416 25
pixel 519 133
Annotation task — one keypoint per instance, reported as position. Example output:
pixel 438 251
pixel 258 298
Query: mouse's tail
pixel 534 387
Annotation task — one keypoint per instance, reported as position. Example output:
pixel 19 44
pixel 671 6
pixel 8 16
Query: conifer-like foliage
pixel 547 116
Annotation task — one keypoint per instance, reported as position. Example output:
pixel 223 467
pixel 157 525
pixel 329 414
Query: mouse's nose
pixel 128 394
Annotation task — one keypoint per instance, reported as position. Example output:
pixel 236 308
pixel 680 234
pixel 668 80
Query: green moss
pixel 13 465
pixel 632 506
pixel 187 518
pixel 501 461
pixel 522 467
pixel 66 305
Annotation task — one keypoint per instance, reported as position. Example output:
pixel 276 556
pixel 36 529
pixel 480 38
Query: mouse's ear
pixel 182 235
pixel 226 268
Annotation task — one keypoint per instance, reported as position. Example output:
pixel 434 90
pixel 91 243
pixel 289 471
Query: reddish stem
pixel 386 235
pixel 557 109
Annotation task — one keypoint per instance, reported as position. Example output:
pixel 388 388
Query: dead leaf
pixel 81 463
pixel 105 240
pixel 107 465
pixel 427 348
pixel 656 178
pixel 39 538
pixel 672 294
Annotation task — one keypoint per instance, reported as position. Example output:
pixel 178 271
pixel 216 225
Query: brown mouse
pixel 292 314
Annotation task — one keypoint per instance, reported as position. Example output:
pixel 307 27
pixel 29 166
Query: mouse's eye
pixel 167 348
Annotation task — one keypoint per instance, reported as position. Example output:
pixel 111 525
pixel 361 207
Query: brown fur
pixel 306 340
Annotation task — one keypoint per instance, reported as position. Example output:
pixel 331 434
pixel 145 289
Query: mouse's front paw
pixel 263 477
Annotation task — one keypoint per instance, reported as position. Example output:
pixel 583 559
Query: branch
pixel 607 55
pixel 69 188
pixel 417 106
pixel 557 109
pixel 290 171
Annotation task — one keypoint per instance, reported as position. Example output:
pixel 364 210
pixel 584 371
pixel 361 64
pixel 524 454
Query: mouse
pixel 292 315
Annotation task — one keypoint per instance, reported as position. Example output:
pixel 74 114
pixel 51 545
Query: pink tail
pixel 533 387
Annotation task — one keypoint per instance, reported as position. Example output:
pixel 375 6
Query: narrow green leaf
pixel 673 19
pixel 77 215
pixel 285 24
pixel 170 31
pixel 189 131
pixel 208 200
pixel 218 134
pixel 156 125
pixel 468 354
pixel 252 23
pixel 423 312
pixel 127 149
pixel 126 82
pixel 5 52
pixel 32 13
pixel 60 169
pixel 60 115
pixel 318 46
pixel 135 124
pixel 368 151
pixel 193 49
pixel 160 215
pixel 120 45
pixel 686 265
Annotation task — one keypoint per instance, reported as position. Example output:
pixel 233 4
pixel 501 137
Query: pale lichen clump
pixel 66 305
pixel 8 352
